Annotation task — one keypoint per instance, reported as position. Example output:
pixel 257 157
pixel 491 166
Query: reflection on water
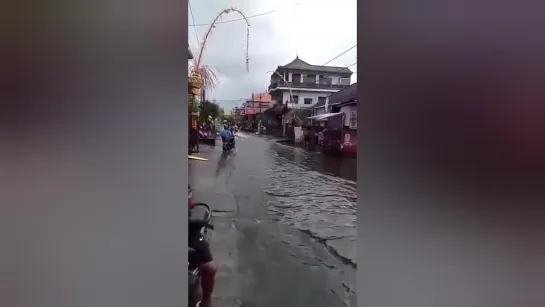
pixel 315 194
pixel 345 168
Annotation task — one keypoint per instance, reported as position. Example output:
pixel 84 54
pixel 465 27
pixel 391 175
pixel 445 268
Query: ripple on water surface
pixel 320 205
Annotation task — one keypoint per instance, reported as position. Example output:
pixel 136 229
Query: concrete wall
pixel 298 134
pixel 319 111
pixel 335 79
pixel 302 95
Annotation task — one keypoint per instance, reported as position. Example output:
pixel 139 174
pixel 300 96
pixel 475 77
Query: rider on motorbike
pixel 227 135
pixel 202 258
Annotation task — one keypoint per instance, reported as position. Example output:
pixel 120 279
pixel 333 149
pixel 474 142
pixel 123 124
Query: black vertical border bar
pixel 361 139
pixel 94 142
pixel 450 179
pixel 184 101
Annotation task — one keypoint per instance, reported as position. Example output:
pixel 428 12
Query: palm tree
pixel 206 75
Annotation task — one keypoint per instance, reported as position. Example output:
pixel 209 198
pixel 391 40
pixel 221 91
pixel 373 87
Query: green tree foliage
pixel 228 117
pixel 209 109
pixel 221 113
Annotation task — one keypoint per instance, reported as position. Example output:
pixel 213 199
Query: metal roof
pixel 322 117
pixel 345 95
pixel 276 110
pixel 302 65
pixel 319 104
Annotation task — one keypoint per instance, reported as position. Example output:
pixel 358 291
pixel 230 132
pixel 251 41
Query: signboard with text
pixel 250 111
pixel 353 119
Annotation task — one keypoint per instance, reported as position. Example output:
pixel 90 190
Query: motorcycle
pixel 197 231
pixel 228 146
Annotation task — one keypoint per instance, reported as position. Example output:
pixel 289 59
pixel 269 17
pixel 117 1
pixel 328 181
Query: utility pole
pixel 253 106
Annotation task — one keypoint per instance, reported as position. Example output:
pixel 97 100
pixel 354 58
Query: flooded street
pixel 280 213
pixel 307 198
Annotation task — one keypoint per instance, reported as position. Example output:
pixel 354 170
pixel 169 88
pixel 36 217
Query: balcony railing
pixel 307 84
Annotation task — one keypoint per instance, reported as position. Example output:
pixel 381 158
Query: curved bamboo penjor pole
pixel 203 77
pixel 198 59
pixel 207 77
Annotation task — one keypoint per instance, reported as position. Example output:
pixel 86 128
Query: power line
pixel 339 55
pixel 347 66
pixel 238 19
pixel 344 67
pixel 232 20
pixel 193 19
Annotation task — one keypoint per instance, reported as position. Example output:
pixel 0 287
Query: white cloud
pixel 317 30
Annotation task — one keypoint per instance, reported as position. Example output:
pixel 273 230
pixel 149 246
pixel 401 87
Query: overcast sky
pixel 317 30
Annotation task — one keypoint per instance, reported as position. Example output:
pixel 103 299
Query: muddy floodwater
pixel 310 195
pixel 281 210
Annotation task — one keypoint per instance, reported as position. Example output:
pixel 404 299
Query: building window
pixel 345 81
pixel 295 99
pixel 321 100
pixel 309 79
pixel 326 80
pixel 307 101
pixel 296 78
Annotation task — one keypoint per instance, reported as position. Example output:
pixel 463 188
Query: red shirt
pixel 190 196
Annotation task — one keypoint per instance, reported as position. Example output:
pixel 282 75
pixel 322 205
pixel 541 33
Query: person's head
pixel 225 127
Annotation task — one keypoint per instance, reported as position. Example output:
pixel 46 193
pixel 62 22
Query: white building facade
pixel 300 85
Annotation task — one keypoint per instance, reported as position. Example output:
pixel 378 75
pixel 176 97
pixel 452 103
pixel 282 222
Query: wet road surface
pixel 285 224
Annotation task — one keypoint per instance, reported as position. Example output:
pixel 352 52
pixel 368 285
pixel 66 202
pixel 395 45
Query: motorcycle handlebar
pixel 200 224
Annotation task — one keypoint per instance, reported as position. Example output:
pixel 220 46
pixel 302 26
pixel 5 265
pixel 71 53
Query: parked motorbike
pixel 197 231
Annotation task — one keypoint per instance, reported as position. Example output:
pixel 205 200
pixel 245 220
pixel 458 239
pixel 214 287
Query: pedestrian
pixel 204 129
pixel 306 138
pixel 210 129
pixel 324 136
pixel 193 141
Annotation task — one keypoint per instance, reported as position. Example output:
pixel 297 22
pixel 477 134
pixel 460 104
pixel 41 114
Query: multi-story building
pixel 253 107
pixel 309 84
pixel 257 104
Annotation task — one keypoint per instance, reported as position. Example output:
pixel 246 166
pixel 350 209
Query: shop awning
pixel 276 110
pixel 323 117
